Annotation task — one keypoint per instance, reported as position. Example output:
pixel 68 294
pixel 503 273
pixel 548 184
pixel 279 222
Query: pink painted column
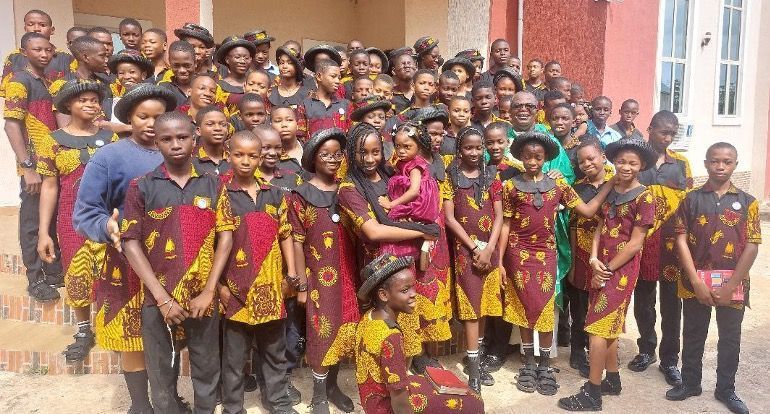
pixel 179 12
pixel 503 23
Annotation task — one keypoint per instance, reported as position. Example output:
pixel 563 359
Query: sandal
pixel 582 401
pixel 546 381
pixel 527 377
pixel 78 351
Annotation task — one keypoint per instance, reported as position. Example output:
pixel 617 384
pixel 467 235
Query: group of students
pixel 346 205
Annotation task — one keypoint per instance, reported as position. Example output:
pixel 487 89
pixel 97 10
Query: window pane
pixel 665 86
pixel 735 35
pixel 733 94
pixel 725 31
pixel 722 89
pixel 678 89
pixel 680 36
pixel 738 3
pixel 668 28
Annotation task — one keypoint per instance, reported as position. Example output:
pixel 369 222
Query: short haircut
pixel 721 145
pixel 27 37
pixel 590 140
pixel 98 29
pixel 128 21
pixel 629 102
pixel 260 72
pixel 576 89
pixel 74 29
pixel 501 125
pixel 384 79
pixel 482 84
pixel 324 65
pixel 664 117
pixel 279 107
pixel 600 98
pixel 181 46
pixel 362 79
pixel 496 42
pixel 457 98
pixel 84 44
pixel 158 32
pixel 172 117
pixel 245 135
pixel 552 63
pixel 249 98
pixel 261 129
pixel 205 110
pixel 558 81
pixel 566 106
pixel 197 76
pixel 536 60
pixel 448 74
pixel 358 52
pixel 423 72
pixel 39 13
pixel 552 96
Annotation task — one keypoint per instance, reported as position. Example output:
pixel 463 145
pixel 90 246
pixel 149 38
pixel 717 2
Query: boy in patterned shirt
pixel 172 218
pixel 717 228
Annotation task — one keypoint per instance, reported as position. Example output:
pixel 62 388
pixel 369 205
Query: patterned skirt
pixel 530 289
pixel 607 307
pixel 118 297
pixel 477 294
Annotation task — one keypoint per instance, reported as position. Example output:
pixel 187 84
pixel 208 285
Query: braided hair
pixel 354 146
pixel 418 132
pixel 454 167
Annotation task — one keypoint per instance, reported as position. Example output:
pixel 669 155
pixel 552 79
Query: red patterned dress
pixel 584 229
pixel 381 368
pixel 65 156
pixel 607 306
pixel 530 256
pixel 478 294
pixel 331 308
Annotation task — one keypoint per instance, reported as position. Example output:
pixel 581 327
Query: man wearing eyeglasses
pixel 629 110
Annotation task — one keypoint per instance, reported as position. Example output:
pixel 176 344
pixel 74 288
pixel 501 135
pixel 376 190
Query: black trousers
pixel 696 328
pixel 29 223
pixel 578 306
pixel 270 338
pixel 497 335
pixel 202 336
pixel 564 314
pixel 670 320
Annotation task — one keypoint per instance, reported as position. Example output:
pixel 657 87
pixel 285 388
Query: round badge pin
pixel 98 143
pixel 736 206
pixel 202 203
pixel 336 218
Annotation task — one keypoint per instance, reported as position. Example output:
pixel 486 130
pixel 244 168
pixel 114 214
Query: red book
pixel 445 381
pixel 714 279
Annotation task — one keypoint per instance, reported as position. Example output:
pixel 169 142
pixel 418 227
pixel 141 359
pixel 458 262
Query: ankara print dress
pixel 478 293
pixel 607 306
pixel 65 156
pixel 381 368
pixel 331 308
pixel 530 256
pixel 584 229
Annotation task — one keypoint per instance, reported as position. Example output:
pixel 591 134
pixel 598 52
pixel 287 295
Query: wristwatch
pixel 28 164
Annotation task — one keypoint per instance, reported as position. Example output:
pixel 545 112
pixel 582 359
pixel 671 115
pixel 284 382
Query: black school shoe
pixel 582 401
pixel 682 392
pixel 55 281
pixel 492 363
pixel 641 362
pixel 672 375
pixel 43 292
pixel 485 377
pixel 580 363
pixel 732 402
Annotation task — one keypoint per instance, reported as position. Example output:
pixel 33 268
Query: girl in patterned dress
pixel 622 226
pixel 474 215
pixel 324 249
pixel 530 203
pixel 381 368
pixel 61 162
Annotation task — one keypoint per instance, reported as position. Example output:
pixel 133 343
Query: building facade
pixel 700 59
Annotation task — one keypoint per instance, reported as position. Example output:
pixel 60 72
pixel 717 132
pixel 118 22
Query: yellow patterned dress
pixel 381 368
pixel 65 156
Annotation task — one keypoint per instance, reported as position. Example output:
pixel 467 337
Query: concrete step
pixel 17 305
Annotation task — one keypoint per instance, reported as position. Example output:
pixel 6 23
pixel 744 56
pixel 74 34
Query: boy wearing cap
pixel 722 236
pixel 29 119
pixel 172 220
pixel 203 42
pixel 428 53
pixel 323 109
pixel 262 41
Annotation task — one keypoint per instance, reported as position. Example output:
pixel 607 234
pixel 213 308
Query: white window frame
pixel 737 118
pixel 687 60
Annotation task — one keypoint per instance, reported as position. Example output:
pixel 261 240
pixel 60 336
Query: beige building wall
pixel 380 24
pixel 60 11
pixel 151 10
pixel 426 17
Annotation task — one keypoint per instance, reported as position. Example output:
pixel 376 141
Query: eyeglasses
pixel 528 106
pixel 337 156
